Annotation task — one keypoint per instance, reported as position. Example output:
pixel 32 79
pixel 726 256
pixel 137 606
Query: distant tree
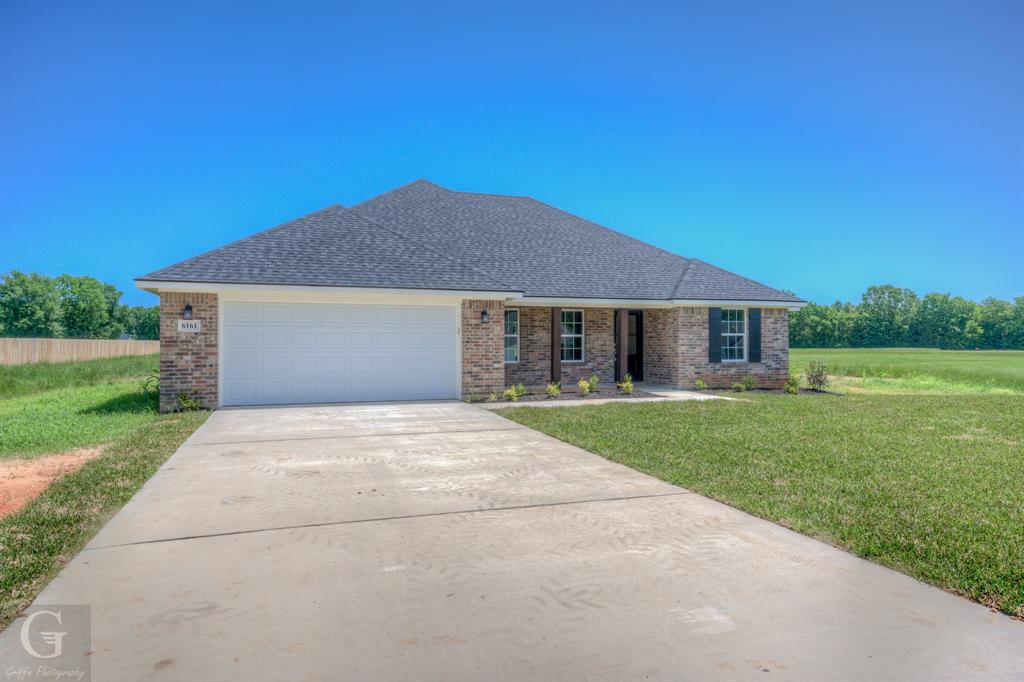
pixel 818 326
pixel 885 316
pixel 888 316
pixel 995 318
pixel 87 311
pixel 141 322
pixel 29 305
pixel 1016 333
pixel 944 321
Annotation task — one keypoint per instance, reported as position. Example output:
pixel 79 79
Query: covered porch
pixel 554 344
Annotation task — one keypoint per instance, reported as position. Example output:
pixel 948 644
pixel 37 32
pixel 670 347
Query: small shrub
pixel 627 384
pixel 186 403
pixel 493 397
pixel 739 387
pixel 749 383
pixel 584 386
pixel 817 375
pixel 473 398
pixel 150 382
pixel 515 392
pixel 793 384
pixel 701 385
pixel 593 381
pixel 554 390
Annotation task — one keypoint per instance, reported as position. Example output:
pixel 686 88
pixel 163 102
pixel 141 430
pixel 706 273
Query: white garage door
pixel 275 353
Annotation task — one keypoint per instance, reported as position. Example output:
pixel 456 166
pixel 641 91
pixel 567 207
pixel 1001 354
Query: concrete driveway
pixel 420 541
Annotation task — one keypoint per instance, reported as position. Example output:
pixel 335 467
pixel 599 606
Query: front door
pixel 635 345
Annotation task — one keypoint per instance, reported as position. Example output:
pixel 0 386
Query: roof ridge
pixel 427 247
pixel 608 229
pixel 746 279
pixel 418 181
pixel 683 275
pixel 488 194
pixel 279 226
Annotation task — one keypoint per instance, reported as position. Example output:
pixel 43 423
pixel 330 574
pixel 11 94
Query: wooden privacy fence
pixel 26 351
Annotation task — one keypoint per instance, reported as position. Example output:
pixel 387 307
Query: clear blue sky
pixel 817 147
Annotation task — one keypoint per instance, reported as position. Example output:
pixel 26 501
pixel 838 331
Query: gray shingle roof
pixel 334 246
pixel 423 236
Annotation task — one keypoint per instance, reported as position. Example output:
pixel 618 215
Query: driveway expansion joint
pixel 351 437
pixel 389 518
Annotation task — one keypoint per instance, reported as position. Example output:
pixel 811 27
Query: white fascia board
pixel 156 286
pixel 788 305
pixel 642 303
pixel 587 302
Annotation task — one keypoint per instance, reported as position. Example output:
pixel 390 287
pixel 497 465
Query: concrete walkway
pixel 439 541
pixel 660 394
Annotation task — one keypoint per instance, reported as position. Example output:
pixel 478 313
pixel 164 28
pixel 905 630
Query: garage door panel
pixel 274 313
pixel 304 366
pixel 242 313
pixel 275 367
pixel 274 340
pixel 241 339
pixel 240 366
pixel 291 353
pixel 304 340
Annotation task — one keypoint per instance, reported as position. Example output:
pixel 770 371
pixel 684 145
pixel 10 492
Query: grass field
pixel 37 541
pixel 919 466
pixel 64 419
pixel 51 408
pixel 22 380
pixel 922 370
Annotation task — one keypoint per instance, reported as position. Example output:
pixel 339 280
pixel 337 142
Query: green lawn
pixel 50 408
pixel 60 420
pixel 943 371
pixel 932 485
pixel 37 541
pixel 22 380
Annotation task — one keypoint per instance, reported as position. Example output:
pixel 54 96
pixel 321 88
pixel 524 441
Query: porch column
pixel 622 347
pixel 556 344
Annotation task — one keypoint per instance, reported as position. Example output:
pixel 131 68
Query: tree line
pixel 888 316
pixel 70 307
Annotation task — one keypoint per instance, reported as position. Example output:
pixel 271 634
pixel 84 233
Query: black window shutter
pixel 714 334
pixel 754 343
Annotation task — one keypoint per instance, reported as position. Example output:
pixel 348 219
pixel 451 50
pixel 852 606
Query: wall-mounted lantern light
pixel 187 312
pixel 485 317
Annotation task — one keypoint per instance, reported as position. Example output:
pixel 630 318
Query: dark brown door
pixel 635 345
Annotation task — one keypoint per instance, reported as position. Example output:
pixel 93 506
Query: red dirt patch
pixel 22 479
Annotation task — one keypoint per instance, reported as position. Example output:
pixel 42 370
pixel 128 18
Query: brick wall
pixel 661 359
pixel 188 360
pixel 598 349
pixel 534 366
pixel 676 350
pixel 483 348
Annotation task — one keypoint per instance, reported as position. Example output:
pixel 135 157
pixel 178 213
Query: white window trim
pixel 746 338
pixel 505 334
pixel 583 336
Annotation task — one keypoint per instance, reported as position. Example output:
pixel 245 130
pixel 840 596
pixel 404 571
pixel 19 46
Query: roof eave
pixel 582 302
pixel 157 286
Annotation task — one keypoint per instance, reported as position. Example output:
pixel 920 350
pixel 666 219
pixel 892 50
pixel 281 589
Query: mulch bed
pixel 597 395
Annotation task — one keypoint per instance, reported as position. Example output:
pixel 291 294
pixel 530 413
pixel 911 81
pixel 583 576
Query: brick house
pixel 428 293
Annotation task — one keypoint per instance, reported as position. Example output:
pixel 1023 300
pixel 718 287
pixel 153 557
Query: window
pixel 511 336
pixel 572 336
pixel 733 335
